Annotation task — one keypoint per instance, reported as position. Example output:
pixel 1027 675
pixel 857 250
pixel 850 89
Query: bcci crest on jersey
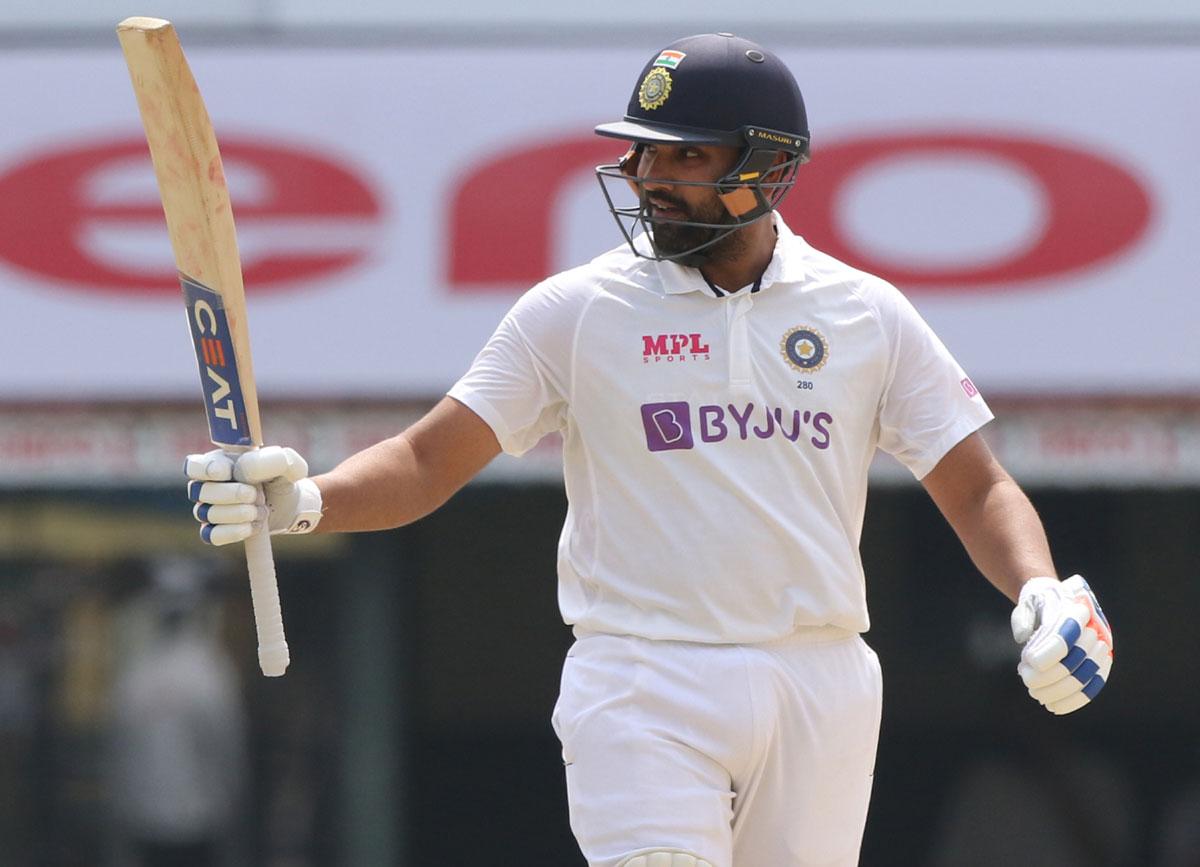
pixel 805 349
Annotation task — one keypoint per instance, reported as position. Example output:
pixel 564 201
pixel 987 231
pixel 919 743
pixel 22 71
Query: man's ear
pixel 628 164
pixel 773 173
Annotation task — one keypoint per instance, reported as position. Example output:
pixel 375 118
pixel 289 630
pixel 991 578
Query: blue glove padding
pixel 1068 650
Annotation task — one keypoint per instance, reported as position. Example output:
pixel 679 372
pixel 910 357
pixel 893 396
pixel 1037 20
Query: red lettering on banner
pixel 45 213
pixel 502 236
pixel 500 223
pixel 1096 209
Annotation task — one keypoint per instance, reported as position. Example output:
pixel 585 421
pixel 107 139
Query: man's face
pixel 666 198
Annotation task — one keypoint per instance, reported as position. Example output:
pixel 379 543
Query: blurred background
pixel 1024 171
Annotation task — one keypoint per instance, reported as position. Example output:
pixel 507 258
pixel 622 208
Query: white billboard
pixel 1039 205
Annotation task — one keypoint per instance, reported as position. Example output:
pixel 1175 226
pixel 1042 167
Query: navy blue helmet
pixel 712 89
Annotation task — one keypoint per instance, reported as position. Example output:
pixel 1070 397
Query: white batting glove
pixel 234 497
pixel 1068 650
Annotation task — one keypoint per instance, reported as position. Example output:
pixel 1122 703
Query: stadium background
pixel 1023 171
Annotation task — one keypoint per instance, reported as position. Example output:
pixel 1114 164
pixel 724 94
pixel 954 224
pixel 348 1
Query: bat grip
pixel 264 594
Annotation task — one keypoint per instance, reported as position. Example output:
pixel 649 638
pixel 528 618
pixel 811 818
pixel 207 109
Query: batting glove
pixel 234 497
pixel 1068 644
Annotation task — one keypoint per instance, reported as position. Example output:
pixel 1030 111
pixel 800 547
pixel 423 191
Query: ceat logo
pixel 89 216
pixel 1085 209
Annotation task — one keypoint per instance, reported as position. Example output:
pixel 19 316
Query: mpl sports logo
pixel 672 425
pixel 674 347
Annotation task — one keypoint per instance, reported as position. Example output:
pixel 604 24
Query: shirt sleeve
pixel 518 383
pixel 929 404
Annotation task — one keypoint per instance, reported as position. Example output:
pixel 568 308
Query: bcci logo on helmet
pixel 655 89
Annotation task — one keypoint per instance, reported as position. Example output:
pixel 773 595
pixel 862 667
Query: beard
pixel 673 238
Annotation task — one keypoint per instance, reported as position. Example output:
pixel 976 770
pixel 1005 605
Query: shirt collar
pixel 786 266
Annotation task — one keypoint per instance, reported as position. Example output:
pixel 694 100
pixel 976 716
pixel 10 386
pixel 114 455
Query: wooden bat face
pixel 191 181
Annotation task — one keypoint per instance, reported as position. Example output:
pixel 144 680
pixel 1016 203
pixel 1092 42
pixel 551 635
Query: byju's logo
pixel 674 347
pixel 669 425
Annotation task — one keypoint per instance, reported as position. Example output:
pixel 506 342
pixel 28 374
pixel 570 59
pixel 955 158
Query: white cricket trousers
pixel 744 755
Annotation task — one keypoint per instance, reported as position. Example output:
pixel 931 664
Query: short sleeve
pixel 929 404
pixel 518 383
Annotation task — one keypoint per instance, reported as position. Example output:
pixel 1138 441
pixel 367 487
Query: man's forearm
pixel 1004 537
pixel 991 515
pixel 377 489
pixel 404 478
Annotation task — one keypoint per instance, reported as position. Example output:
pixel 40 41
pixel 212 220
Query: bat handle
pixel 264 594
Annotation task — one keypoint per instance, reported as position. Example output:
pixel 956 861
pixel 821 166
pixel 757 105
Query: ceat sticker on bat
pixel 219 377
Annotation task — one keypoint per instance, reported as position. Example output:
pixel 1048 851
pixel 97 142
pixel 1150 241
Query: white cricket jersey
pixel 715 449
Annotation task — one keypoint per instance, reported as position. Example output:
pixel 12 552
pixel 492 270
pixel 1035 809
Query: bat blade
pixel 195 199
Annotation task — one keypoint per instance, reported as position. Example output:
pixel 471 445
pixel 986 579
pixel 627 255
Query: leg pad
pixel 665 858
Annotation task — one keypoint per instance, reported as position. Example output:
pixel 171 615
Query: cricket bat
pixel 191 182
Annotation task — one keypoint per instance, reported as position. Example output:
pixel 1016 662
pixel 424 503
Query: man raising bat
pixel 719 706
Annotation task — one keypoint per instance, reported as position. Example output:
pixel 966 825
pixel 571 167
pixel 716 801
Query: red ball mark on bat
pixel 48 215
pixel 215 173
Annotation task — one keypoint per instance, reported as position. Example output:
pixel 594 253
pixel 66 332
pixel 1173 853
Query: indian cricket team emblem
pixel 805 349
pixel 655 89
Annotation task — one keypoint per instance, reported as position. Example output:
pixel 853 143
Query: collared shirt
pixel 716 447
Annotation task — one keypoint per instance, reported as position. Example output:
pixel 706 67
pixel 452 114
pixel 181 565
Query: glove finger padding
pixel 240 513
pixel 270 462
pixel 1088 677
pixel 271 489
pixel 1075 657
pixel 228 512
pixel 214 466
pixel 1072 703
pixel 1056 691
pixel 1060 628
pixel 226 534
pixel 222 493
pixel 1068 649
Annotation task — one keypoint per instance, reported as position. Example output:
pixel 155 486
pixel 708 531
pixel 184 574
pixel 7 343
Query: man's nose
pixel 651 183
pixel 647 174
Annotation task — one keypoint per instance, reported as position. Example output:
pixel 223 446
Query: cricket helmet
pixel 711 89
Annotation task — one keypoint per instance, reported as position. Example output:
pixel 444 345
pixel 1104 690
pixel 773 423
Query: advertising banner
pixel 1040 206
